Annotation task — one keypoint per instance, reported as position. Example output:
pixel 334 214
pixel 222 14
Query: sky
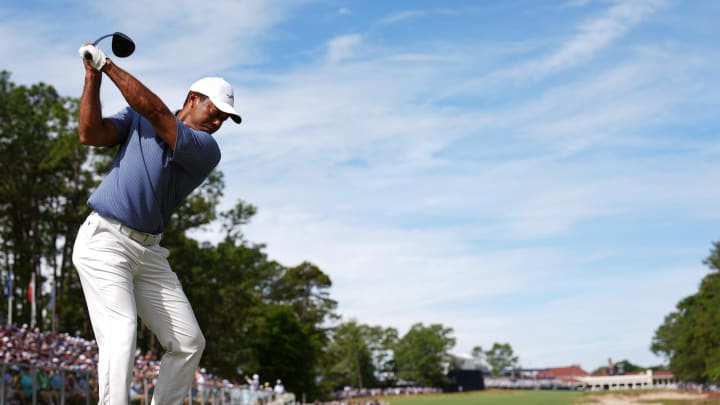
pixel 533 172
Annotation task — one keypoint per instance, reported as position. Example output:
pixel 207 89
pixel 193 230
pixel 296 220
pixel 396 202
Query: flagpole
pixel 9 293
pixel 51 305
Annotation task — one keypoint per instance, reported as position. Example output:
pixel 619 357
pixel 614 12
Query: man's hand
pixel 93 55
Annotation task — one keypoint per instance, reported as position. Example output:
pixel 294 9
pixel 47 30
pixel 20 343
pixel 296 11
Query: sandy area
pixel 647 399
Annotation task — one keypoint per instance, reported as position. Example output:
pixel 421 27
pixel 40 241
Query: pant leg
pixel 104 262
pixel 163 306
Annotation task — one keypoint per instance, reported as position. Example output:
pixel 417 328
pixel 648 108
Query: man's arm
pixel 144 101
pixel 93 130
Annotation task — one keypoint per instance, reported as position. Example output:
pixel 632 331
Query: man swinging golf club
pixel 162 157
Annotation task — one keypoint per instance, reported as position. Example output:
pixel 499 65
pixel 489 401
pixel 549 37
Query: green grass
pixel 490 397
pixel 501 397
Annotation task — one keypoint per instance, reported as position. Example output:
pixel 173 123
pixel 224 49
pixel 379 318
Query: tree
pixel 421 353
pixel 283 348
pixel 478 353
pixel 236 217
pixel 307 289
pixel 356 355
pixel 228 286
pixel 501 357
pixel 43 186
pixel 620 367
pixel 381 342
pixel 689 338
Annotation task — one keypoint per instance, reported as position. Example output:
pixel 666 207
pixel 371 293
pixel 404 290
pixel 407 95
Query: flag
pixel 31 288
pixel 31 298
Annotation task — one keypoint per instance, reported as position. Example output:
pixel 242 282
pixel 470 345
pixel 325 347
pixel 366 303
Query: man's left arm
pixel 144 101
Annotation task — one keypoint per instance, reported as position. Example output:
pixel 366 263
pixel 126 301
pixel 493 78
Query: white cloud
pixel 342 48
pixel 402 16
pixel 598 34
pixel 577 3
pixel 590 39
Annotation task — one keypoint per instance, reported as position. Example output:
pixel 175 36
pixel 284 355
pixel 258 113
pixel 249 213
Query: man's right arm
pixel 92 128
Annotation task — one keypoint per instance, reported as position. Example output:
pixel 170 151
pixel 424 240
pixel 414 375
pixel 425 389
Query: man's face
pixel 204 116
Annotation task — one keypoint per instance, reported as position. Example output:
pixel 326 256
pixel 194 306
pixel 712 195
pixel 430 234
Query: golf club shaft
pixel 101 38
pixel 87 54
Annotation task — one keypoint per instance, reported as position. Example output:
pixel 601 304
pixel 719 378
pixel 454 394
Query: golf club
pixel 122 45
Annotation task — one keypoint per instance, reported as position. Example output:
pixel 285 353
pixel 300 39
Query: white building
pixel 629 381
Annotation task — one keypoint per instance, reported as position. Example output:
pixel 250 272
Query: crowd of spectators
pixel 366 396
pixel 23 345
pixel 352 392
pixel 57 361
pixel 351 402
pixel 49 383
pixel 696 387
pixel 67 364
pixel 527 383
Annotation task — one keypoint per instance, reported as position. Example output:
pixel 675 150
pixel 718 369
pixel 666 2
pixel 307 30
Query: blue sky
pixel 541 173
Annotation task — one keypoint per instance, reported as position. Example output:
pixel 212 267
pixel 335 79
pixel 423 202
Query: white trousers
pixel 123 279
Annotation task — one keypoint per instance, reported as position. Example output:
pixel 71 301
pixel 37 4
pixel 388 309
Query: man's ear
pixel 193 99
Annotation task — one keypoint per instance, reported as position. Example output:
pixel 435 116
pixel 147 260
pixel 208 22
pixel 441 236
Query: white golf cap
pixel 220 93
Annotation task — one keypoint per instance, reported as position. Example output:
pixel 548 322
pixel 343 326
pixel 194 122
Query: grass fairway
pixel 491 397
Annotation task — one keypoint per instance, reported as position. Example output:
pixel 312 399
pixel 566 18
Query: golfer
pixel 162 157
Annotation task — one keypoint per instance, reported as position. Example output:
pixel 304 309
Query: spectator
pixel 279 388
pixel 200 385
pixel 43 386
pixel 254 382
pixel 26 384
pixel 13 392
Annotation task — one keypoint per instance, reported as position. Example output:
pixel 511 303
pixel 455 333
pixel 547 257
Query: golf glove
pixel 94 55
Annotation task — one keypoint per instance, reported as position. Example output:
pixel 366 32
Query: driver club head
pixel 122 45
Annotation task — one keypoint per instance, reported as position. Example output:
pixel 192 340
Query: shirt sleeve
pixel 123 120
pixel 196 151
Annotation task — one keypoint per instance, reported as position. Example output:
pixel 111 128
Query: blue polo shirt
pixel 148 179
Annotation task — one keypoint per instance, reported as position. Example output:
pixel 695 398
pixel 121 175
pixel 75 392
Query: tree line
pixel 258 316
pixel 689 337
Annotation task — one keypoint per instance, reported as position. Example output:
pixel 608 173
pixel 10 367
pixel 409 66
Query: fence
pixel 26 384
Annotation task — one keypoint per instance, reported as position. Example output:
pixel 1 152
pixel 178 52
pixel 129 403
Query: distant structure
pixel 575 378
pixel 581 379
pixel 568 374
pixel 465 373
pixel 628 381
